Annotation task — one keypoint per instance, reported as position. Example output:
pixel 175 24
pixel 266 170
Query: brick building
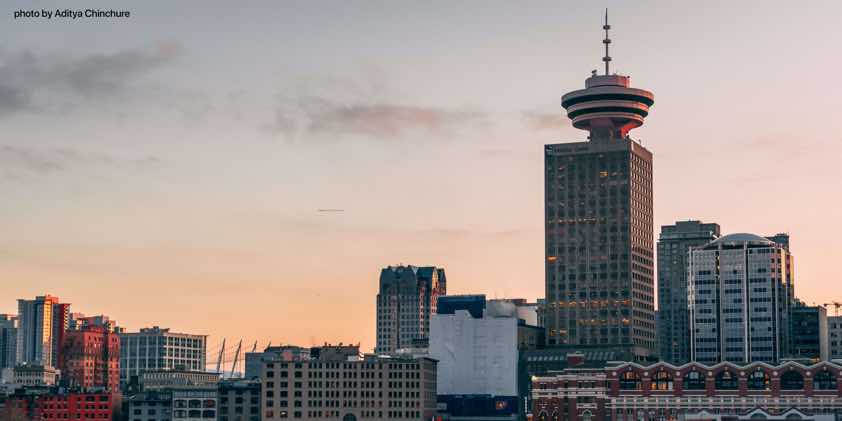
pixel 662 391
pixel 52 404
pixel 91 358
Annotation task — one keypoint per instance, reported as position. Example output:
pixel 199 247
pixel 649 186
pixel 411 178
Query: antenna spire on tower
pixel 606 41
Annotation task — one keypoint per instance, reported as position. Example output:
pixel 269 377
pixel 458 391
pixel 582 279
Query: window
pixel 824 381
pixel 792 380
pixel 693 381
pixel 630 381
pixel 726 380
pixel 758 380
pixel 662 381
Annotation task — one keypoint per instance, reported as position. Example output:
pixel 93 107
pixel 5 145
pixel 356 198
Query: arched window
pixel 758 380
pixel 824 381
pixel 349 417
pixel 630 381
pixel 662 381
pixel 542 416
pixel 586 416
pixel 694 381
pixel 792 380
pixel 726 380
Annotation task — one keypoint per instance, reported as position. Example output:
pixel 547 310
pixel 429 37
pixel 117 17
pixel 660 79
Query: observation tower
pixel 608 107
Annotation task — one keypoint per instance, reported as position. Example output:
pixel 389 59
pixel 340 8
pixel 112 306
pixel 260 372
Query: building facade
pixel 600 281
pixel 673 318
pixel 255 360
pixel 239 400
pixel 405 302
pixel 78 321
pixel 154 405
pixel 41 326
pixel 175 378
pixel 52 405
pixel 159 349
pixel 740 293
pixel 199 404
pixel 369 388
pixel 477 357
pixel 8 340
pixel 834 337
pixel 34 375
pixel 632 392
pixel 808 338
pixel 91 358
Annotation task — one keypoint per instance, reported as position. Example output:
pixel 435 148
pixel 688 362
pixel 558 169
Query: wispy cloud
pixel 365 106
pixel 315 115
pixel 543 121
pixel 15 159
pixel 38 82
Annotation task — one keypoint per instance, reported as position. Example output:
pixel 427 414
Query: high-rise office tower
pixel 154 348
pixel 406 300
pixel 673 316
pixel 8 340
pixel 41 326
pixel 598 223
pixel 740 292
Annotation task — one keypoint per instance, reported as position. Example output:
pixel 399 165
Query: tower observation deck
pixel 608 108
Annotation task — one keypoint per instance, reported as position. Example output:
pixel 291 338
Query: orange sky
pixel 168 170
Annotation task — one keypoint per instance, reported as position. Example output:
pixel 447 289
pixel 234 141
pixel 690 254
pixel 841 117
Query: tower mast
pixel 607 42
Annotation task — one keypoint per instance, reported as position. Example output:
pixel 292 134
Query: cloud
pixel 48 161
pixel 35 82
pixel 543 121
pixel 314 115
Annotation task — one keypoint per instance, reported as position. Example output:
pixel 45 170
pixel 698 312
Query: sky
pixel 167 169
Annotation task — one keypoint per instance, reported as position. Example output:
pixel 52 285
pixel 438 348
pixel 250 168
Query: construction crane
pixel 836 305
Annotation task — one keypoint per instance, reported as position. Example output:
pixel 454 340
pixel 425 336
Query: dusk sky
pixel 167 169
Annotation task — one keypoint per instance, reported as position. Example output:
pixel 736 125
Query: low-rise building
pixel 629 391
pixel 476 345
pixel 152 405
pixel 51 404
pixel 834 337
pixel 34 375
pixel 198 404
pixel 173 379
pixel 239 400
pixel 255 360
pixel 336 385
pixel 809 333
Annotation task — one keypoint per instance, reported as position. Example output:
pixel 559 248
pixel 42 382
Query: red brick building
pixel 662 391
pixel 60 406
pixel 91 358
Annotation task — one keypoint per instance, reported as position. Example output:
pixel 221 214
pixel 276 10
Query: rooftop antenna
pixel 606 41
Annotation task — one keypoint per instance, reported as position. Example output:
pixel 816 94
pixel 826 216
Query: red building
pixel 662 392
pixel 91 358
pixel 60 406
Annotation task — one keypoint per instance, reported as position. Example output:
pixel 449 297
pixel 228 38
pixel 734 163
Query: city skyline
pixel 193 204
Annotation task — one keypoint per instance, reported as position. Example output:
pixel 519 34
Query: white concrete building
pixel 159 349
pixel 476 355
